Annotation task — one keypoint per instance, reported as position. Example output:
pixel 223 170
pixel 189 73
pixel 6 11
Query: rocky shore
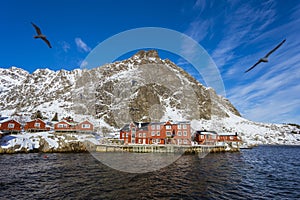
pixel 47 143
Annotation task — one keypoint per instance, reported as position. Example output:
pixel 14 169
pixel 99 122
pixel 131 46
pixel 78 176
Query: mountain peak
pixel 142 54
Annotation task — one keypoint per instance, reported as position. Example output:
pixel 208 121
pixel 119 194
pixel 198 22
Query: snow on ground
pixel 31 141
pixel 252 133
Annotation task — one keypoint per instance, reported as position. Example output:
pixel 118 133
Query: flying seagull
pixel 265 58
pixel 40 35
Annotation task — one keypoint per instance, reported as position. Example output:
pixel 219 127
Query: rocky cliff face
pixel 146 88
pixel 141 88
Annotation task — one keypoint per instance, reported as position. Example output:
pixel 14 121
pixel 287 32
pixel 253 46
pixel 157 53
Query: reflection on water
pixel 261 173
pixel 136 162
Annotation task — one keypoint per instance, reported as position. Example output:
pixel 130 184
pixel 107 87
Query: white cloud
pixel 270 92
pixel 242 25
pixel 82 46
pixel 65 46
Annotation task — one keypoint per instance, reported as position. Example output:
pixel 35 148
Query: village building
pixel 65 127
pixel 156 133
pixel 231 138
pixel 36 125
pixel 85 126
pixel 71 126
pixel 206 137
pixel 10 126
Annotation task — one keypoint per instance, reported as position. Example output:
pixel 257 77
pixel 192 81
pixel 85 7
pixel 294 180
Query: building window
pixel 152 133
pixel 37 125
pixel 133 130
pixel 140 134
pixel 133 141
pixel 169 133
pixel 179 141
pixel 184 133
pixel 11 125
pixel 158 133
pixel 179 126
pixel 184 141
pixel 158 140
pixel 85 125
pixel 152 127
pixel 133 135
pixel 140 141
pixel 157 127
pixel 62 125
pixel 184 126
pixel 168 127
pixel 179 133
pixel 144 135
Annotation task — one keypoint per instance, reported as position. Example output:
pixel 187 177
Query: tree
pixel 55 118
pixel 36 115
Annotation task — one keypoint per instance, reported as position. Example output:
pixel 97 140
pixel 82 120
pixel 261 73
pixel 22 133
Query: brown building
pixel 72 127
pixel 36 125
pixel 178 133
pixel 10 126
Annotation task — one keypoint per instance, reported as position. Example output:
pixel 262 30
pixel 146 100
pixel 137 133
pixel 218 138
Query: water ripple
pixel 267 172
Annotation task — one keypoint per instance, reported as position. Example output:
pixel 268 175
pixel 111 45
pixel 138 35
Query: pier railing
pixel 160 148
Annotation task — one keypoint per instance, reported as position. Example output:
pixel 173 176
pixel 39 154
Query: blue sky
pixel 235 34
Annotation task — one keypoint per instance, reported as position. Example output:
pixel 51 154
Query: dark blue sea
pixel 264 172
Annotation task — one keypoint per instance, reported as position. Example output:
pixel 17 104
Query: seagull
pixel 40 35
pixel 265 58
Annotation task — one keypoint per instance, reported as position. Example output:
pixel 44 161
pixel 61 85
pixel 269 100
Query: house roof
pixel 205 132
pixel 2 119
pixel 227 134
pixel 37 119
pixel 6 120
pixel 140 125
pixel 182 122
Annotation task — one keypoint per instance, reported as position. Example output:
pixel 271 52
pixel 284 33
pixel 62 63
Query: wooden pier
pixel 163 148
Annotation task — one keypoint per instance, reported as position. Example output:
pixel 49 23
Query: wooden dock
pixel 163 148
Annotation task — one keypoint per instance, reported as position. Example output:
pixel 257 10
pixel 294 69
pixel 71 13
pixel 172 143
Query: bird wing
pixel 253 66
pixel 37 29
pixel 275 48
pixel 47 41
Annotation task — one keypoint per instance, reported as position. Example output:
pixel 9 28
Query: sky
pixel 235 33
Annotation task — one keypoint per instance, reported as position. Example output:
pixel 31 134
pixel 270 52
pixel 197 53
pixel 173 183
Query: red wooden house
pixel 211 137
pixel 135 133
pixel 156 133
pixel 181 133
pixel 206 137
pixel 36 125
pixel 10 126
pixel 228 137
pixel 85 126
pixel 72 127
pixel 64 126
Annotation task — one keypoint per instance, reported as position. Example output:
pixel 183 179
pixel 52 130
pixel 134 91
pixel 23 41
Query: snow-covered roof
pixel 8 119
pixel 227 134
pixel 205 132
pixel 3 119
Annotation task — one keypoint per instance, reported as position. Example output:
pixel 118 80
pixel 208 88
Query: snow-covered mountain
pixel 141 88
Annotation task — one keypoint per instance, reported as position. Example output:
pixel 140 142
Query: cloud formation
pixel 81 45
pixel 237 36
pixel 65 46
